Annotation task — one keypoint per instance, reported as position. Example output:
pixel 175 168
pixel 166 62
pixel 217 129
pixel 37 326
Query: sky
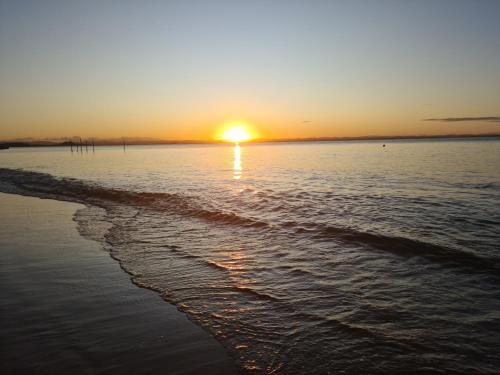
pixel 291 69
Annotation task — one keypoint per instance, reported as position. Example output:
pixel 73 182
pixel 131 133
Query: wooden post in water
pixel 81 145
pixel 123 139
pixel 71 145
pixel 93 145
pixel 87 147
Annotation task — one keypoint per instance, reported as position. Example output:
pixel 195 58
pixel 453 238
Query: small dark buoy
pixel 383 145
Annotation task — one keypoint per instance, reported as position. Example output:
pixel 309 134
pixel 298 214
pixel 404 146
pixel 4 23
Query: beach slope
pixel 66 306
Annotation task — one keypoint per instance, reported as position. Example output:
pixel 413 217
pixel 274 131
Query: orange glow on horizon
pixel 236 133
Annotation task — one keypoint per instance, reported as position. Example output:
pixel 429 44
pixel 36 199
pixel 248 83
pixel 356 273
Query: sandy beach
pixel 66 306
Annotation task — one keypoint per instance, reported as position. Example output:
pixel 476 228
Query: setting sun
pixel 236 134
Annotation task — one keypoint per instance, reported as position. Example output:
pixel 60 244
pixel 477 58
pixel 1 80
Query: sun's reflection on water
pixel 237 170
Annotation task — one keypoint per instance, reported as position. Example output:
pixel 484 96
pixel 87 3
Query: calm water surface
pixel 303 258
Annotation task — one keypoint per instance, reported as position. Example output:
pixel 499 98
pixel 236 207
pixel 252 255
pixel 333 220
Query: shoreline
pixel 141 142
pixel 80 311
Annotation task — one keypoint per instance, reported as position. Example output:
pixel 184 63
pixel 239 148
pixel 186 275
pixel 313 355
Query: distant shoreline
pixel 148 142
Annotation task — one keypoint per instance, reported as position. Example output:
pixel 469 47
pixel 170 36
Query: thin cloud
pixel 463 119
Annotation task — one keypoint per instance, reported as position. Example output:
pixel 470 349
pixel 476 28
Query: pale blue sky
pixel 178 69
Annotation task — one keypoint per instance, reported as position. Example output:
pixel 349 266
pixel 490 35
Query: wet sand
pixel 66 306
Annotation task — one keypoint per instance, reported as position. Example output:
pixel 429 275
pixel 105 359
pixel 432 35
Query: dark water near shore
pixel 306 258
pixel 67 308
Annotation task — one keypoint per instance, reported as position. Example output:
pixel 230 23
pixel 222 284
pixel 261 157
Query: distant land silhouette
pixel 32 142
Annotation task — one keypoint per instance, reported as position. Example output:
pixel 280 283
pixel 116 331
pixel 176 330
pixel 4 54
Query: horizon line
pixel 130 141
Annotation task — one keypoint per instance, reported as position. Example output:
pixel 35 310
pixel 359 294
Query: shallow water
pixel 67 308
pixel 303 258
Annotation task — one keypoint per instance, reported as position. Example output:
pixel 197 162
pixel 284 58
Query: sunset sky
pixel 181 69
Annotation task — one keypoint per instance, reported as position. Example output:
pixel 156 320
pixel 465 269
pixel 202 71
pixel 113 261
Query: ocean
pixel 302 258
